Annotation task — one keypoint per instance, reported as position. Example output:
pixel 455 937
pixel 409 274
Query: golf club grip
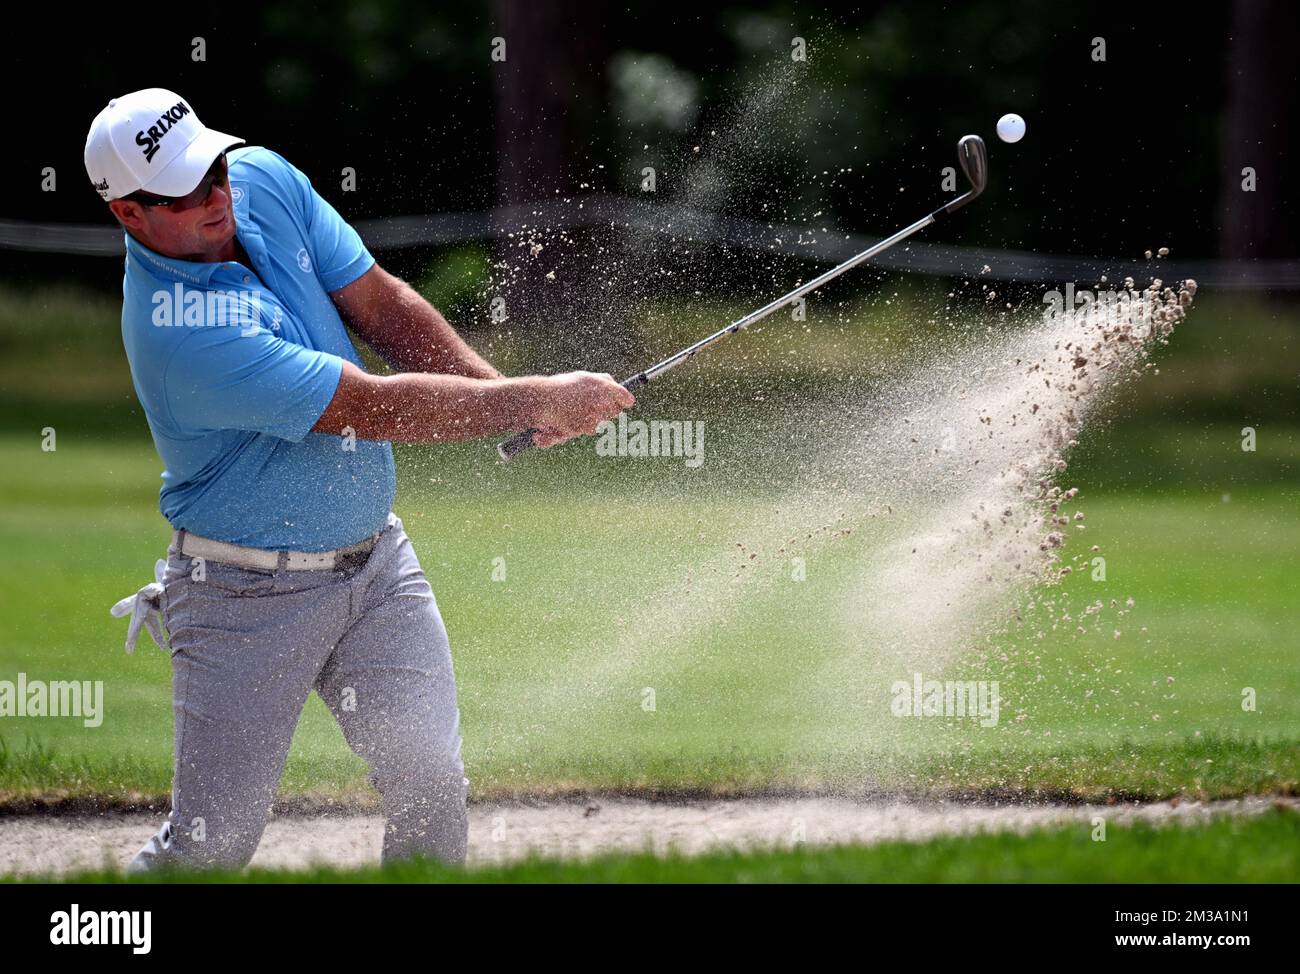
pixel 517 444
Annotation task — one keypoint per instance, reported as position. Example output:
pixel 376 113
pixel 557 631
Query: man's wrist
pixel 524 398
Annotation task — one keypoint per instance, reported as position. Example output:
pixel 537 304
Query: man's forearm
pixel 413 336
pixel 417 407
pixel 414 407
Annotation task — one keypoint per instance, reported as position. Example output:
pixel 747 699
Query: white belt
pixel 194 546
pixel 145 606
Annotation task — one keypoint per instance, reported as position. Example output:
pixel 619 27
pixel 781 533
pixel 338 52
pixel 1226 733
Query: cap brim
pixel 184 173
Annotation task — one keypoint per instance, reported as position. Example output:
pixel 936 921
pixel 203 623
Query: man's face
pixel 192 227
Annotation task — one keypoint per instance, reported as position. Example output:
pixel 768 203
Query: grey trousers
pixel 247 647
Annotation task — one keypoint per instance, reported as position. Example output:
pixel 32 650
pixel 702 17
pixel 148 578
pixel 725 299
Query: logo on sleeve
pixel 304 262
pixel 236 195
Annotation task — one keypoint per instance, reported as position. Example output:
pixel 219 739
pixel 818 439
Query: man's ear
pixel 129 214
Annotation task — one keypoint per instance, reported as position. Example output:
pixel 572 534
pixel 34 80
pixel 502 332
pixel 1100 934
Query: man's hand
pixel 576 403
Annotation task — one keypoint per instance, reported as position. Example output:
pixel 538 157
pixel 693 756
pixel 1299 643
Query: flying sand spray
pixel 973 157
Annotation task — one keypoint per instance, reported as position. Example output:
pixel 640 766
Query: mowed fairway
pixel 620 640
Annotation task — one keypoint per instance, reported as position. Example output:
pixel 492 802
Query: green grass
pixel 1259 849
pixel 625 576
pixel 754 681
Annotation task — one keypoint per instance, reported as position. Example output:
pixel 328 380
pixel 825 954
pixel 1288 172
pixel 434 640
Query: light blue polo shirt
pixel 234 366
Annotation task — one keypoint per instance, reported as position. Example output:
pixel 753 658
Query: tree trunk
pixel 1254 129
pixel 550 93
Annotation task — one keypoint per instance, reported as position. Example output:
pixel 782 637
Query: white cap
pixel 151 140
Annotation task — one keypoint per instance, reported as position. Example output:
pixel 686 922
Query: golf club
pixel 973 157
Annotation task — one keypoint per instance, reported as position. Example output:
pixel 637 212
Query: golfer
pixel 287 571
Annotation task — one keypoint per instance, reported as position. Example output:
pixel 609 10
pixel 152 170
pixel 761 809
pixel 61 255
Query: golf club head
pixel 974 159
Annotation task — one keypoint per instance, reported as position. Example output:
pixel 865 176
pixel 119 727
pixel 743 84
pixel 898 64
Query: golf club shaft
pixel 523 441
pixel 657 370
pixel 973 160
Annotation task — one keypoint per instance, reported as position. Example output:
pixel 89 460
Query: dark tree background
pixel 1141 150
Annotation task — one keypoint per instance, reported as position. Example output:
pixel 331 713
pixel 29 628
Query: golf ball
pixel 1011 128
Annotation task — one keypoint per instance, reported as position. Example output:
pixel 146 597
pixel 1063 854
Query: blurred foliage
pixel 455 280
pixel 1119 156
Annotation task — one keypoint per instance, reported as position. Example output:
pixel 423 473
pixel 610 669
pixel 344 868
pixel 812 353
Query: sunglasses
pixel 215 176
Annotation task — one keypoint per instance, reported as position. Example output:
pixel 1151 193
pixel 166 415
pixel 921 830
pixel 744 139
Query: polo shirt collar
pixel 169 268
pixel 197 272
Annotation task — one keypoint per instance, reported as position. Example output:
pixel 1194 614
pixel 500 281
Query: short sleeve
pixel 228 378
pixel 337 253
